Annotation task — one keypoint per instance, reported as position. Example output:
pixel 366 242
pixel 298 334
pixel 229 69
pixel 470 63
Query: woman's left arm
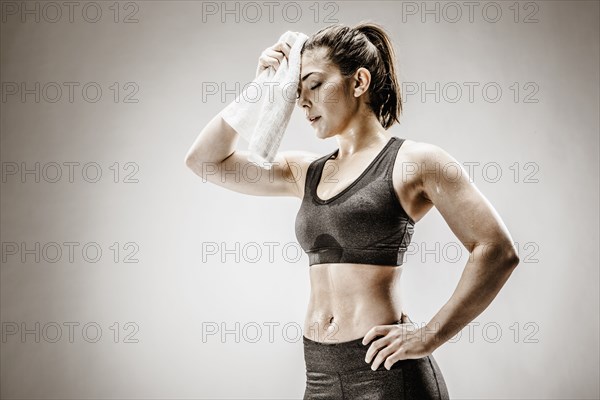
pixel 478 226
pixel 445 184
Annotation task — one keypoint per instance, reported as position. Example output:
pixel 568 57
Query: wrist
pixel 430 336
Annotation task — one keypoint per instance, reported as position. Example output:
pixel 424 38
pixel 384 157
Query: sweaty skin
pixel 347 300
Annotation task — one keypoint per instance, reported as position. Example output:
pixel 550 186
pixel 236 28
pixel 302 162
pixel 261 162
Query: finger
pixel 393 358
pixel 382 356
pixel 379 330
pixel 266 61
pixel 273 54
pixel 375 347
pixel 284 48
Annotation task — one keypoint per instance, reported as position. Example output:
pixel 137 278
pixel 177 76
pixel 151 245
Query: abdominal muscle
pixel 347 300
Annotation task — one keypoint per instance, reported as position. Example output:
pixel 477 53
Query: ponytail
pixel 386 95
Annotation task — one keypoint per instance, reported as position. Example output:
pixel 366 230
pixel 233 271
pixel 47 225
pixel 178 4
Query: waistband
pixel 342 356
pixel 335 357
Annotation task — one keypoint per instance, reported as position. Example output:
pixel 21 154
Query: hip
pixel 339 371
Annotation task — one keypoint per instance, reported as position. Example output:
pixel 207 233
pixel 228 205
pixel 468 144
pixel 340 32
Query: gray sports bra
pixel 363 224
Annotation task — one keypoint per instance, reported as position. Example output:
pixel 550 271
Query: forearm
pixel 480 282
pixel 216 141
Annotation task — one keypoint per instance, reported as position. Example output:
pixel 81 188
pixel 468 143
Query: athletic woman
pixel 359 206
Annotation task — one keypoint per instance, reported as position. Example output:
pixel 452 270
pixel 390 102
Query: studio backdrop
pixel 125 275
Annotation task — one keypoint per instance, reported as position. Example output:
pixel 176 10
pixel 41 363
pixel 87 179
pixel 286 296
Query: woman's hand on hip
pixel 399 342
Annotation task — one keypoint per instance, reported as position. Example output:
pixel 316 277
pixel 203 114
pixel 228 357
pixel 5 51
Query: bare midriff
pixel 347 300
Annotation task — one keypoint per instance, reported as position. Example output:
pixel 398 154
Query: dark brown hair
pixel 366 45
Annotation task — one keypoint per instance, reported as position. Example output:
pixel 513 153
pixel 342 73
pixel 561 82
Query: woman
pixel 358 211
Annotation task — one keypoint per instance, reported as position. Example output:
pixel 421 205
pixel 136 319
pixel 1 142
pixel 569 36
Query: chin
pixel 320 132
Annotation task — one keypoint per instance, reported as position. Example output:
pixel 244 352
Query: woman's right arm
pixel 213 155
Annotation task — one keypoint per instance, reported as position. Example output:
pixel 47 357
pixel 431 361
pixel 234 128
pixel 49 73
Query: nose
pixel 301 101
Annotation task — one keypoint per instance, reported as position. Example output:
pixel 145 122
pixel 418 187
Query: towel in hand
pixel 260 114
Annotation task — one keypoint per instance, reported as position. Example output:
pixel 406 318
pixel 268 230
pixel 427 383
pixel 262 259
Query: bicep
pixel 238 174
pixel 468 213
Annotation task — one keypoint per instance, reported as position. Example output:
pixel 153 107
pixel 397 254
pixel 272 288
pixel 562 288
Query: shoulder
pixel 423 151
pixel 425 157
pixel 434 171
pixel 424 167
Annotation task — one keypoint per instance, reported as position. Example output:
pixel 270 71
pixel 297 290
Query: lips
pixel 313 119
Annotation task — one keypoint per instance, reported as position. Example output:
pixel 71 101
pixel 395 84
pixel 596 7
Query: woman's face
pixel 323 92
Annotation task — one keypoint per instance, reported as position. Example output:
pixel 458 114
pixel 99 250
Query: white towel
pixel 260 114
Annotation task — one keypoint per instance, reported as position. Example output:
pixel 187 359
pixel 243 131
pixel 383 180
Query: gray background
pixel 546 315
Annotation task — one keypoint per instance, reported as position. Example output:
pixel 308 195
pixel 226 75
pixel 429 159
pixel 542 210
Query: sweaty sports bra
pixel 363 224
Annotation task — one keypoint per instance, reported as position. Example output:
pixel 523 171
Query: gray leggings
pixel 339 371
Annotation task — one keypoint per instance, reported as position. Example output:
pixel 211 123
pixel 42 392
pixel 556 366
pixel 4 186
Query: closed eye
pixel 312 88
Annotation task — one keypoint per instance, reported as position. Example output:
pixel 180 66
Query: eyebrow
pixel 307 75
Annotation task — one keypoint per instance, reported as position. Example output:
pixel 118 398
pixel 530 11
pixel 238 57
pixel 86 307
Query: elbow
pixel 190 160
pixel 502 256
pixel 197 164
pixel 511 259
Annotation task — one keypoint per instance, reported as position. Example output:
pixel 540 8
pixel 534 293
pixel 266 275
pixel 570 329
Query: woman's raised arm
pixel 213 156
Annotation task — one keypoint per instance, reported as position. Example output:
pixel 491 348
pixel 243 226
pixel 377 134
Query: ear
pixel 361 81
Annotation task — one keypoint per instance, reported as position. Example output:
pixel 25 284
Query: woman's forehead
pixel 315 57
pixel 315 61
